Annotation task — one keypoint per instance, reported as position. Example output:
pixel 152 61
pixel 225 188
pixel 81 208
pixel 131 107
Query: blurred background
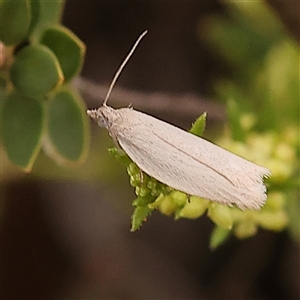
pixel 66 232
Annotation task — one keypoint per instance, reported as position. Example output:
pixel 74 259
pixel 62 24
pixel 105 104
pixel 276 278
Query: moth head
pixel 103 116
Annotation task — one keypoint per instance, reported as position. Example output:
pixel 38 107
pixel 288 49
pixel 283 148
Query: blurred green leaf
pixel 234 115
pixel 35 13
pixel 293 210
pixel 67 137
pixel 22 127
pixel 49 13
pixel 15 20
pixel 281 79
pixel 36 71
pixel 68 48
pixel 218 237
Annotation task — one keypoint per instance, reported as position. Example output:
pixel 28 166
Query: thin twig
pixel 181 105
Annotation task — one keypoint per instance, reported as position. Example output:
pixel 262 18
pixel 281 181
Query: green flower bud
pixel 165 189
pixel 220 215
pixel 134 182
pixel 245 229
pixel 157 201
pixel 195 208
pixel 167 205
pixel 152 183
pixel 179 198
pixel 141 191
pixel 133 169
pixel 276 221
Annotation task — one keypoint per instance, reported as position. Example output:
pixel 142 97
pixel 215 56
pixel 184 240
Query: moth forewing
pixel 188 163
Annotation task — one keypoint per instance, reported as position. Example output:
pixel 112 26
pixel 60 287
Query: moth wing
pixel 222 161
pixel 178 159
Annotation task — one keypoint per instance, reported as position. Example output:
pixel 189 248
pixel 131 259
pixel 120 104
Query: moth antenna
pixel 122 66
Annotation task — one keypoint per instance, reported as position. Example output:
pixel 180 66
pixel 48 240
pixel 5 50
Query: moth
pixel 180 159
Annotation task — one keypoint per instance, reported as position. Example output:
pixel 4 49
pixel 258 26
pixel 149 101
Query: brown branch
pixel 180 105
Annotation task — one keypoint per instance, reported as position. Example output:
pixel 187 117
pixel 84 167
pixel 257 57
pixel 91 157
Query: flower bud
pixel 195 208
pixel 220 215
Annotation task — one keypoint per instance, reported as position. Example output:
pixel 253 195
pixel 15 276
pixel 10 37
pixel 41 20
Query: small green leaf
pixel 15 20
pixel 68 48
pixel 199 125
pixel 218 237
pixel 139 216
pixel 36 71
pixel 22 127
pixel 67 128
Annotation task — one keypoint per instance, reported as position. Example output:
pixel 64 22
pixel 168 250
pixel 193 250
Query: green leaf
pixel 49 13
pixel 199 125
pixel 139 216
pixel 218 237
pixel 67 136
pixel 36 71
pixel 293 211
pixel 22 128
pixel 15 20
pixel 35 13
pixel 68 48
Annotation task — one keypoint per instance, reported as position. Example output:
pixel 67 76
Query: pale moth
pixel 180 159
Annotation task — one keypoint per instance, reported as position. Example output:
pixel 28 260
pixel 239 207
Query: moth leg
pixel 189 198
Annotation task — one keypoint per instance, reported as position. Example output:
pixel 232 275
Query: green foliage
pixel 41 59
pixel 15 21
pixel 66 137
pixel 68 49
pixel 22 129
pixel 36 72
